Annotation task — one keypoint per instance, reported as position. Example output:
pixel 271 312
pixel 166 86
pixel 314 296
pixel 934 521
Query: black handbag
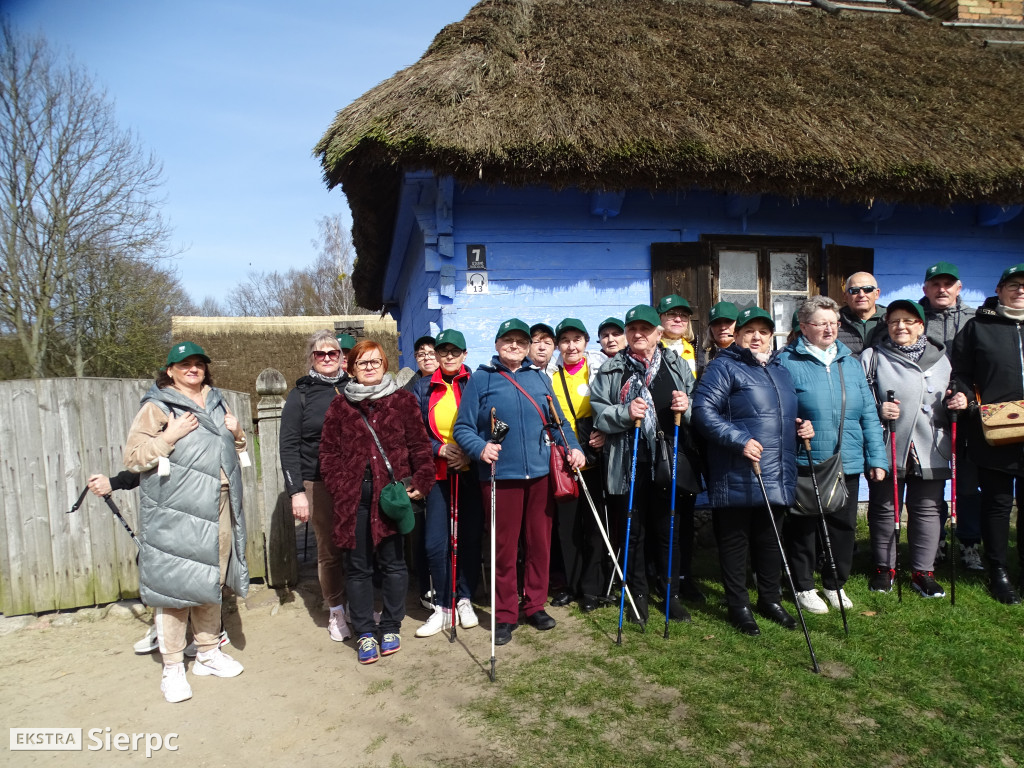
pixel 687 480
pixel 828 473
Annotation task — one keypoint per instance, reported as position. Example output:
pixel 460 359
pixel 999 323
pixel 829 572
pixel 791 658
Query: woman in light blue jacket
pixel 823 370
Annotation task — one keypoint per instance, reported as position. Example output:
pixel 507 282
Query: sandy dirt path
pixel 302 700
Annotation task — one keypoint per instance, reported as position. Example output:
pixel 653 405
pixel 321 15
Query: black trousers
pixel 997 496
pixel 390 557
pixel 802 531
pixel 740 531
pixel 584 556
pixel 649 534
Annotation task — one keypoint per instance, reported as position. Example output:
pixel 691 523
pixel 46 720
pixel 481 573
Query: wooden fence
pixel 54 433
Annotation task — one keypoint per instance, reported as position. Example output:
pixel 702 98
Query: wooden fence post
pixel 275 506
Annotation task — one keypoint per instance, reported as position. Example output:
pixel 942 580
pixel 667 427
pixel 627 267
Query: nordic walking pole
pixel 114 510
pixel 597 515
pixel 454 522
pixel 890 397
pixel 669 585
pixel 952 505
pixel 629 522
pixel 826 537
pixel 785 563
pixel 498 431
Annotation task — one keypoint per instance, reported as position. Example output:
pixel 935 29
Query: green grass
pixel 917 683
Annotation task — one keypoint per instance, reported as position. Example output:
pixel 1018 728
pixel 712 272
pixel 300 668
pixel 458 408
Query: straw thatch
pixel 669 94
pixel 241 347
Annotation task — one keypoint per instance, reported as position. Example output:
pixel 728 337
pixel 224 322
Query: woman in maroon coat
pixel 355 474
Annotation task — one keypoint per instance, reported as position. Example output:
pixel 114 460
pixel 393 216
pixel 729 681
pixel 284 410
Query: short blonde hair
pixel 318 339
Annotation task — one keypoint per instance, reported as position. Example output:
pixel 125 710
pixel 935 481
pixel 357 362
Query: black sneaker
pixel 503 633
pixel 925 584
pixel 882 580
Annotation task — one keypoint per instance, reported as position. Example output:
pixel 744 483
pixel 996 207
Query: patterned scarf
pixel 915 350
pixel 317 376
pixel 638 384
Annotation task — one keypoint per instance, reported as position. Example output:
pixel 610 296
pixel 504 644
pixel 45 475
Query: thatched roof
pixel 670 94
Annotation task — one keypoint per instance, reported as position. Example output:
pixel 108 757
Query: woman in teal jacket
pixel 814 362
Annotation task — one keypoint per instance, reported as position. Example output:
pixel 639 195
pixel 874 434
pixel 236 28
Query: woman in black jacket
pixel 988 361
pixel 301 424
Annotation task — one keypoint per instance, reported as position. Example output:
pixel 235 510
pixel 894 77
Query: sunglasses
pixel 862 289
pixel 330 354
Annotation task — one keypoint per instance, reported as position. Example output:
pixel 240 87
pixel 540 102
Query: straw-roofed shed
pixel 583 155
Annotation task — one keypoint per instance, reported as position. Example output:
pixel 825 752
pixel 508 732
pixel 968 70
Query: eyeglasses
pixel 903 322
pixel 510 341
pixel 369 365
pixel 854 290
pixel 1014 286
pixel 425 355
pixel 676 313
pixel 824 325
pixel 328 354
pixel 450 352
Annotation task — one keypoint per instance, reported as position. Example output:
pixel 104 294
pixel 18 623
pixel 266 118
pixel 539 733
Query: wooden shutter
pixel 685 269
pixel 841 261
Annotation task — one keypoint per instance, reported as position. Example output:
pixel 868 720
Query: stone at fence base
pixel 127 609
pixel 9 624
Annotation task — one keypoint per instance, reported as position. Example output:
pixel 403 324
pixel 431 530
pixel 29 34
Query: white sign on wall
pixel 476 282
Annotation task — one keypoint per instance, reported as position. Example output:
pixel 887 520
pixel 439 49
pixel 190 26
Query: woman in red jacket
pixel 356 473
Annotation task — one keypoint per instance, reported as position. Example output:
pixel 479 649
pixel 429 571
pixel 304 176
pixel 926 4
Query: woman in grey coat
pixel 916 369
pixel 185 444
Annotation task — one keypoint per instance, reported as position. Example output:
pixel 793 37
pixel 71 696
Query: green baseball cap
pixel 542 328
pixel 453 337
pixel 942 268
pixel 571 323
pixel 723 310
pixel 645 313
pixel 753 313
pixel 1016 269
pixel 346 341
pixel 673 301
pixel 610 321
pixel 513 324
pixel 185 349
pixel 908 305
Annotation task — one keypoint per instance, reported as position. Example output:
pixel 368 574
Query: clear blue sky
pixel 231 97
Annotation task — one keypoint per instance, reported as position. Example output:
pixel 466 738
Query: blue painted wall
pixel 549 257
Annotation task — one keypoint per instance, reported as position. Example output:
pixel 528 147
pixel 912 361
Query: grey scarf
pixel 355 393
pixel 317 376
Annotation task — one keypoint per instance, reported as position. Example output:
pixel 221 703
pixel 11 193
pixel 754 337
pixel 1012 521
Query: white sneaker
pixel 216 663
pixel 149 643
pixel 192 649
pixel 832 595
pixel 337 626
pixel 467 616
pixel 440 619
pixel 811 602
pixel 971 557
pixel 173 685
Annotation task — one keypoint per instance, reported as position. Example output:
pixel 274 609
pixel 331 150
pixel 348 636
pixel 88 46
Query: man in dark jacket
pixel 945 314
pixel 862 320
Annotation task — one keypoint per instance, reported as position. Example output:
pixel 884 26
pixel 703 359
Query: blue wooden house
pixel 557 158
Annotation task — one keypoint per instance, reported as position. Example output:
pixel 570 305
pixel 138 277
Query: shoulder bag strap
pixel 391 472
pixel 568 397
pixel 527 395
pixel 842 409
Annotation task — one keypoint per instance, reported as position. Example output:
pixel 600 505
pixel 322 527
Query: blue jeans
pixel 437 531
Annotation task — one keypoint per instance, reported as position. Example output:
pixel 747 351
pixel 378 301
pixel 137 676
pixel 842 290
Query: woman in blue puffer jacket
pixel 823 368
pixel 745 406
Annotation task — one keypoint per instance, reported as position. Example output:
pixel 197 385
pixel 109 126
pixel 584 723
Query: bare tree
pixel 77 195
pixel 323 288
